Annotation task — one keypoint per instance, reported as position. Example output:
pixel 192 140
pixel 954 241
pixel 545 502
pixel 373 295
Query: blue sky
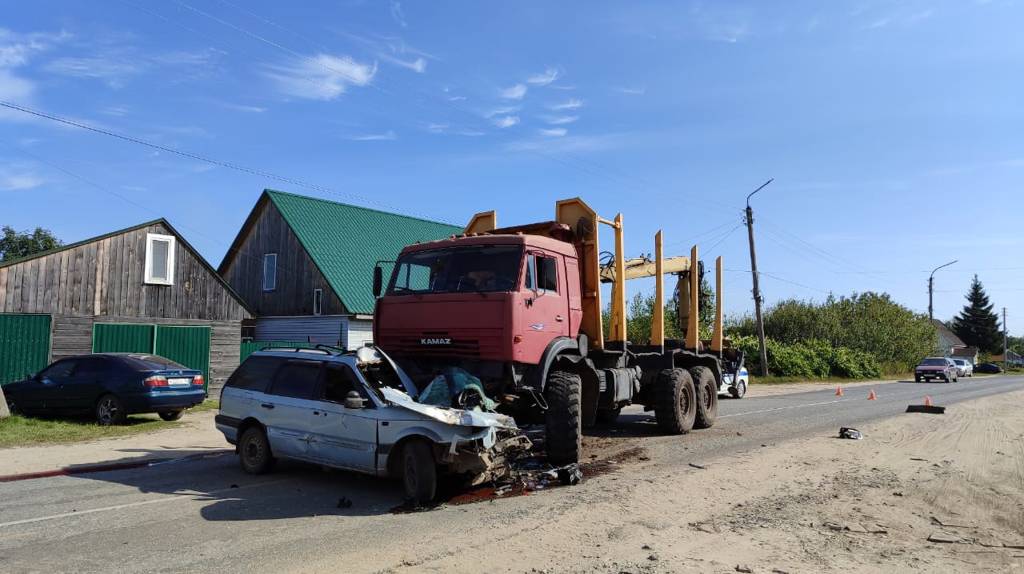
pixel 892 129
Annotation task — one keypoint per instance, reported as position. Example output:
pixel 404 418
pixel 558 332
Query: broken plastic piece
pixel 849 433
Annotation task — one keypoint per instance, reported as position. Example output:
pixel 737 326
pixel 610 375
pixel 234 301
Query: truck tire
pixel 562 418
pixel 707 397
pixel 419 472
pixel 675 402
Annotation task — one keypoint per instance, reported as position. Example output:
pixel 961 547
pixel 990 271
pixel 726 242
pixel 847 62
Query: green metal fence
pixel 24 345
pixel 188 345
pixel 249 347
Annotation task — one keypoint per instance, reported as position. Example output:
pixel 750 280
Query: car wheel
pixel 739 391
pixel 171 415
pixel 254 451
pixel 419 472
pixel 110 411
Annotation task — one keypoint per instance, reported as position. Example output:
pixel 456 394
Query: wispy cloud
pixel 516 92
pixel 435 128
pixel 116 65
pixel 245 108
pixel 321 77
pixel 502 111
pixel 506 121
pixel 17 177
pixel 554 132
pixel 548 76
pixel 572 104
pixel 112 71
pixel 397 14
pixel 560 120
pixel 419 65
pixel 631 91
pixel 386 136
pixel 16 51
pixel 570 144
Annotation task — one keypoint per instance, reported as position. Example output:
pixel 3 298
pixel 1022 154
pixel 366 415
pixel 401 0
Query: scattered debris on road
pixel 850 433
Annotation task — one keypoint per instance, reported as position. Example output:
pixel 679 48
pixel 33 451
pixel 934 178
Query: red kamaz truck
pixel 520 308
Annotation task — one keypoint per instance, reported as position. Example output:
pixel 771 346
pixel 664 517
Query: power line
pixel 197 157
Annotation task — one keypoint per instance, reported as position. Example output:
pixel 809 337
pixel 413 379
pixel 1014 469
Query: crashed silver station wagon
pixel 359 411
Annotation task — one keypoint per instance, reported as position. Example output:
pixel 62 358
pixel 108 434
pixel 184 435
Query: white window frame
pixel 171 249
pixel 318 301
pixel 273 285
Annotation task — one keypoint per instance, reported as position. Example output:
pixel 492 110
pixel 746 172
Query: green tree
pixel 977 324
pixel 15 244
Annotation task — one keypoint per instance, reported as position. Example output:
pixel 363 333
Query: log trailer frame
pixel 541 349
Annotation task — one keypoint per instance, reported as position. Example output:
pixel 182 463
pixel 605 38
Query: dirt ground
pixel 921 493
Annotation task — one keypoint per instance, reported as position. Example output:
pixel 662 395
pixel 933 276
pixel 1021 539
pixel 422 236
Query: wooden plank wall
pixel 297 275
pixel 72 335
pixel 106 278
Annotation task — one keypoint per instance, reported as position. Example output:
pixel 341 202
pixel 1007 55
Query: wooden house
pixel 305 266
pixel 142 289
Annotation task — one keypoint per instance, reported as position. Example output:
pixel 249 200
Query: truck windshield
pixel 479 268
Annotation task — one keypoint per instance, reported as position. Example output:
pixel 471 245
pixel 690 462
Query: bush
pixel 812 359
pixel 872 325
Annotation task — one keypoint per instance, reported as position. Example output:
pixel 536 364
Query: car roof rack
pixel 283 349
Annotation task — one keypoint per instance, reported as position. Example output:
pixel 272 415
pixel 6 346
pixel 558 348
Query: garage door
pixel 24 345
pixel 188 345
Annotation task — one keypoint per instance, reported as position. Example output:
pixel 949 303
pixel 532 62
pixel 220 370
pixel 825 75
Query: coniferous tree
pixel 977 324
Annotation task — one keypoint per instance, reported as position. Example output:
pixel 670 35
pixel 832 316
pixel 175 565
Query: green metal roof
pixel 346 241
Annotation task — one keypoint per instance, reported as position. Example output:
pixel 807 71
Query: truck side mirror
pixel 353 400
pixel 378 280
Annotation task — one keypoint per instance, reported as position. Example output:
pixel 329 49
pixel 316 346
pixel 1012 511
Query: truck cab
pixel 494 303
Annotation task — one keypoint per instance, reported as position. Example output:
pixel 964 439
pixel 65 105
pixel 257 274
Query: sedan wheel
pixel 109 411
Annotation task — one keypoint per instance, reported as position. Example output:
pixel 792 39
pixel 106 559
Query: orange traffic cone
pixel 872 396
pixel 927 401
pixel 839 391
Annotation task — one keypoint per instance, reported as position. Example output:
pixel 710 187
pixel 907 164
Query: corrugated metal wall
pixel 122 338
pixel 189 346
pixel 326 330
pixel 358 332
pixel 24 345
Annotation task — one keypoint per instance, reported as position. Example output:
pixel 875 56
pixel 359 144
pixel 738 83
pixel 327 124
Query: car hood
pixel 455 417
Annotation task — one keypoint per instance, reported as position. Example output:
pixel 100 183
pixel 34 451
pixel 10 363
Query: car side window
pixel 254 374
pixel 339 380
pixel 90 367
pixel 296 379
pixel 58 370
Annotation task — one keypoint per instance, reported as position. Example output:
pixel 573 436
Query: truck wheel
pixel 563 417
pixel 608 416
pixel 419 472
pixel 707 397
pixel 675 402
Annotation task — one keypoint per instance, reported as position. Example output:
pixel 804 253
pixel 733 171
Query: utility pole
pixel 931 286
pixel 1006 347
pixel 757 288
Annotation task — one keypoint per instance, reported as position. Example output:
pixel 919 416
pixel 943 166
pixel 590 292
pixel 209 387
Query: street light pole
pixel 757 288
pixel 931 285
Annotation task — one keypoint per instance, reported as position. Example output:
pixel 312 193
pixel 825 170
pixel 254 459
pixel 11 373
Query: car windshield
pixel 933 363
pixel 150 363
pixel 479 268
pixel 960 361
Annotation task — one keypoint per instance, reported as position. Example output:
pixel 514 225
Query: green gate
pixel 188 345
pixel 24 345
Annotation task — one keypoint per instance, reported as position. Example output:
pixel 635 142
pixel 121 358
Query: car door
pixel 287 410
pixel 86 383
pixel 344 437
pixel 546 308
pixel 43 387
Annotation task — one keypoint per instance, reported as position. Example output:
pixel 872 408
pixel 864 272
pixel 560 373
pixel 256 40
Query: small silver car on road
pixel 356 411
pixel 964 368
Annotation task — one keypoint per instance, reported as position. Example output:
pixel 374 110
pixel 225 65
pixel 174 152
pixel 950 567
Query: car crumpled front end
pixel 481 445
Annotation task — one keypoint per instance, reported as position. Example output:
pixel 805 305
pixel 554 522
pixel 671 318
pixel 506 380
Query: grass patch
pixel 774 380
pixel 25 431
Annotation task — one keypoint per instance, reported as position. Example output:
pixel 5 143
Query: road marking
pixel 780 409
pixel 191 496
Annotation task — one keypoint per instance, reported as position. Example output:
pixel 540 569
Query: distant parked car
pixel 988 368
pixel 964 368
pixel 110 386
pixel 939 368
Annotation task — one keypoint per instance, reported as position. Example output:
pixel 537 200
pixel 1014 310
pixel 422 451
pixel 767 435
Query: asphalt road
pixel 204 515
